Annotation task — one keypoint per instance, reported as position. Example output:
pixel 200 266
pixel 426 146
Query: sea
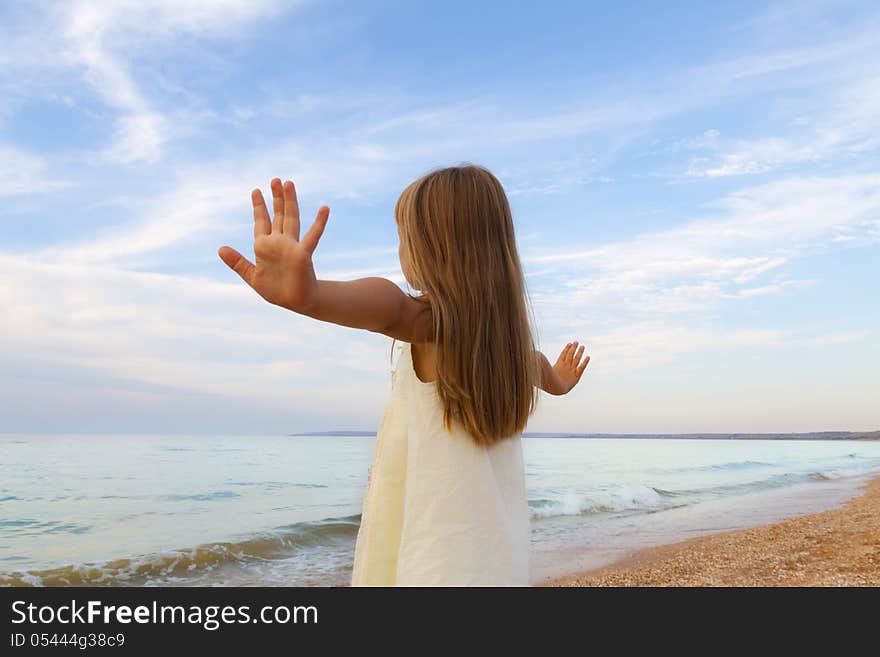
pixel 125 510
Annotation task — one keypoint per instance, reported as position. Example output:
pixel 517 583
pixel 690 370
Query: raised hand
pixel 569 366
pixel 283 273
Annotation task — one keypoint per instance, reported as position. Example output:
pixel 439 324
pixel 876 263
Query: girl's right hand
pixel 283 274
pixel 569 367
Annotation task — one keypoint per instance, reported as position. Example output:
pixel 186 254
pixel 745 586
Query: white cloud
pixel 773 288
pixel 836 338
pixel 850 45
pixel 848 126
pixel 201 204
pixel 24 173
pixel 99 39
pixel 634 292
pixel 651 343
pixel 201 207
pixel 175 332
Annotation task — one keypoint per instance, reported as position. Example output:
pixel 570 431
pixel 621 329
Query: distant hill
pixel 814 435
pixel 334 433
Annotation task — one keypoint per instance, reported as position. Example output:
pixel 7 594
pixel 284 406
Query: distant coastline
pixel 365 434
pixel 814 435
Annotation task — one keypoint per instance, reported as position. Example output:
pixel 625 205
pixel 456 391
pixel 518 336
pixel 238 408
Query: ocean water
pixel 154 510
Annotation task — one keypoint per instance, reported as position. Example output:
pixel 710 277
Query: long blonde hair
pixel 457 230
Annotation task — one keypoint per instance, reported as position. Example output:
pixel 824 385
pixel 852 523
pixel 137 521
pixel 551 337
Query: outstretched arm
pixel 284 275
pixel 560 378
pixel 375 304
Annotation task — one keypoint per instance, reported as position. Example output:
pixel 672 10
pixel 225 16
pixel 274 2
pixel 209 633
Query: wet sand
pixel 838 547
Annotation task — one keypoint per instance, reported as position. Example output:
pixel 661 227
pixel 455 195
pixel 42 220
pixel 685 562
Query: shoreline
pixel 836 547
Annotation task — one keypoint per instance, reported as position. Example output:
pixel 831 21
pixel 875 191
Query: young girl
pixel 446 500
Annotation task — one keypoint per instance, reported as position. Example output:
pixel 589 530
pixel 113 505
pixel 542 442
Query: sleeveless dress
pixel 440 510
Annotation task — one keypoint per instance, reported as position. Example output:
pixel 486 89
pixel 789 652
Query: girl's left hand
pixel 283 273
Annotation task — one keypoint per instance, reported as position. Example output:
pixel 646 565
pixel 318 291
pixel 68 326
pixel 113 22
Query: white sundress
pixel 440 510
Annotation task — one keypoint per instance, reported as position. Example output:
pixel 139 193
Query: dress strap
pixel 403 361
pixel 409 365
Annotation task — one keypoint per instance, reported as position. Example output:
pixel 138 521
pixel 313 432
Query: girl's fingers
pixel 278 203
pixel 571 356
pixel 238 263
pixel 291 211
pixel 563 356
pixel 583 366
pixel 311 238
pixel 262 225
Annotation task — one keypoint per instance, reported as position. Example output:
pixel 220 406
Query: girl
pixel 446 500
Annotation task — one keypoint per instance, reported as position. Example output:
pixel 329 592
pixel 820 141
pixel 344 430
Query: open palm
pixel 283 273
pixel 569 366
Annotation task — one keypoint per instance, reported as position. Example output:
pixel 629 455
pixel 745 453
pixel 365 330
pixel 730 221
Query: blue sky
pixel 696 192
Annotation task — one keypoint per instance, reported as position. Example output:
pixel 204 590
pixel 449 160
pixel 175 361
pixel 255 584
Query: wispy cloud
pixel 671 278
pixel 97 40
pixel 24 173
pixel 849 126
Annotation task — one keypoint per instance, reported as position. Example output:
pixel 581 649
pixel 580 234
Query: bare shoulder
pixel 415 323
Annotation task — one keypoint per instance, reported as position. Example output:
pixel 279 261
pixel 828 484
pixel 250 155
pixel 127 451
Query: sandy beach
pixel 838 547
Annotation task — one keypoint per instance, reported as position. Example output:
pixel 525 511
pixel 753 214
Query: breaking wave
pixel 281 543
